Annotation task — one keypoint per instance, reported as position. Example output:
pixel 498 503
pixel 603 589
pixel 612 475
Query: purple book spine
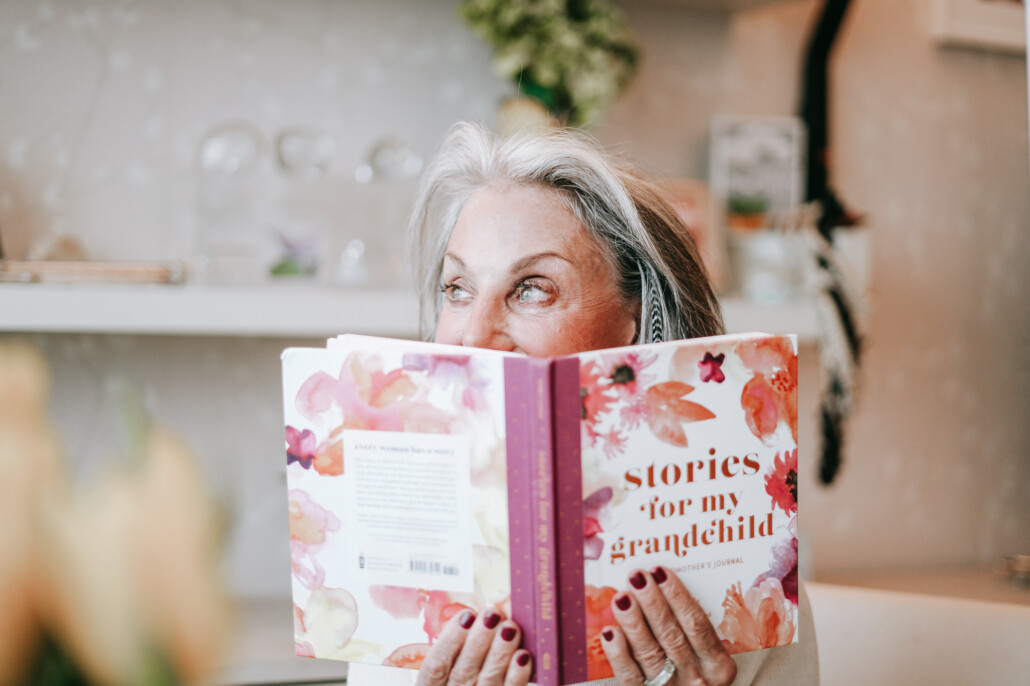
pixel 531 519
pixel 566 412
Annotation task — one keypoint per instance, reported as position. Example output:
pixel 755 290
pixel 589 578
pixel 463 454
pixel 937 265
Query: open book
pixel 425 479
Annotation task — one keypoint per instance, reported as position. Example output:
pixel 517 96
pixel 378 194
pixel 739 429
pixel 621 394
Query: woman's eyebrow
pixel 517 266
pixel 530 260
pixel 455 258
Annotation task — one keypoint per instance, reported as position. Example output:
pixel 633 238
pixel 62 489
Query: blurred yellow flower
pixel 120 573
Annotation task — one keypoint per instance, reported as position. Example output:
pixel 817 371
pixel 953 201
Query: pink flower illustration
pixel 782 481
pixel 443 368
pixel 634 412
pixel 594 509
pixel 761 617
pixel 398 601
pixel 711 367
pixel 368 397
pixel 614 443
pixel 300 446
pixel 625 372
pixel 310 525
pixel 447 370
pixel 301 648
pixel 439 607
pixel 784 567
pixel 593 393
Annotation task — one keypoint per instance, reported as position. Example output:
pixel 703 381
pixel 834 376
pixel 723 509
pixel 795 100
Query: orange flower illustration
pixel 770 396
pixel 409 656
pixel 761 617
pixel 668 411
pixel 598 615
pixel 782 481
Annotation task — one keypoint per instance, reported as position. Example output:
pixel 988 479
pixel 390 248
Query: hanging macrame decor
pixel 841 342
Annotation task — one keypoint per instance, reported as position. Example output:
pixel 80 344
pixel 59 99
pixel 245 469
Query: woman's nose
pixel 486 327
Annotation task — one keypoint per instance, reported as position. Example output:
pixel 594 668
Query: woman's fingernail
pixel 522 659
pixel 607 634
pixel 622 602
pixel 659 575
pixel 491 619
pixel 637 581
pixel 508 633
pixel 467 619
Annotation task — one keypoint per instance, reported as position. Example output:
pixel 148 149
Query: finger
pixel 624 667
pixel 664 626
pixel 473 652
pixel 715 661
pixel 519 669
pixel 648 654
pixel 502 648
pixel 436 667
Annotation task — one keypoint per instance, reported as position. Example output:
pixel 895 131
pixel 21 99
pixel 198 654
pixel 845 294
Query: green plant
pixel 739 203
pixel 575 56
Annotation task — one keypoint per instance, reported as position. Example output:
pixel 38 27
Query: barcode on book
pixel 433 567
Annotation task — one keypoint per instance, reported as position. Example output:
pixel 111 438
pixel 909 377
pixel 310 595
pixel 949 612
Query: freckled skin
pixel 522 274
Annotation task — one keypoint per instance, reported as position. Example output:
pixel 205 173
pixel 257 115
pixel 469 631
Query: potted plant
pixel 747 212
pixel 570 58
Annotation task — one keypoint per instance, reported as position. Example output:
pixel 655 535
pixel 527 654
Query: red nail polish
pixel 637 581
pixel 508 633
pixel 622 602
pixel 491 619
pixel 522 659
pixel 608 634
pixel 659 575
pixel 467 620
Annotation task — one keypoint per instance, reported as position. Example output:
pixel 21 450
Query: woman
pixel 542 244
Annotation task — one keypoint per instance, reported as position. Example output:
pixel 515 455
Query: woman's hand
pixel 480 652
pixel 662 628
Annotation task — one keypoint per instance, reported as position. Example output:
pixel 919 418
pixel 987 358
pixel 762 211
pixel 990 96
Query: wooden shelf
pixel 278 310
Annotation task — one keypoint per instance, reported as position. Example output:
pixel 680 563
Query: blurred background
pixel 261 155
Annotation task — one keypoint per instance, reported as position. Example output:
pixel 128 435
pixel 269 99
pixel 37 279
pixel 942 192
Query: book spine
pixel 531 512
pixel 566 417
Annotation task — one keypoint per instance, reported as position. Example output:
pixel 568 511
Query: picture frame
pixel 757 164
pixel 998 25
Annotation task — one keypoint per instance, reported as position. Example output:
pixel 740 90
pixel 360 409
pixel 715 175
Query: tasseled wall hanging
pixel 841 340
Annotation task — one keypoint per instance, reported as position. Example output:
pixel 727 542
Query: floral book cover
pixel 402 458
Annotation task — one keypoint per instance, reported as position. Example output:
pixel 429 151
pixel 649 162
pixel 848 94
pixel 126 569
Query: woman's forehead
pixel 519 216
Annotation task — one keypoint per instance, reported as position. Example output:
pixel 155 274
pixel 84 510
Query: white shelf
pixel 281 310
pixel 277 310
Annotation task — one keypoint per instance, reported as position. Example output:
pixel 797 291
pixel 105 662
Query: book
pixel 425 479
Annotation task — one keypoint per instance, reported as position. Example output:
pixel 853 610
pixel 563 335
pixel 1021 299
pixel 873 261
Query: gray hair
pixel 643 240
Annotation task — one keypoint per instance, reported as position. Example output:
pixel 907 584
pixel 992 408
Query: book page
pixel 396 475
pixel 689 458
pixel 407 499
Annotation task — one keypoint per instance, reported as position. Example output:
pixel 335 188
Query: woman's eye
pixel 531 293
pixel 455 293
